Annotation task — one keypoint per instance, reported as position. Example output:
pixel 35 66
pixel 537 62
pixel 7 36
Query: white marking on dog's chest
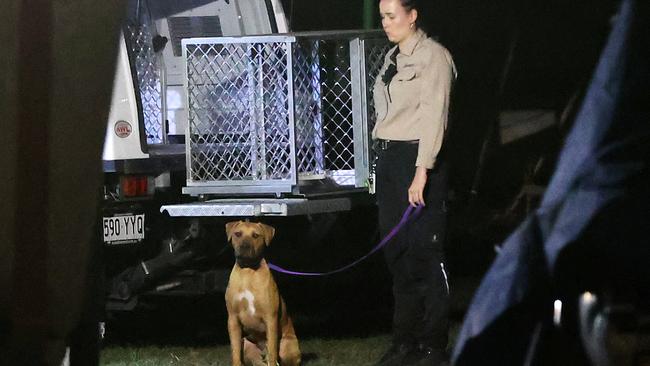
pixel 246 294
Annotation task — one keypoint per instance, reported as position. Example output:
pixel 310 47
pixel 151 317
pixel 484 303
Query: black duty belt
pixel 387 144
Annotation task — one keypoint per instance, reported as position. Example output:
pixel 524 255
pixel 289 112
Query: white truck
pixel 219 112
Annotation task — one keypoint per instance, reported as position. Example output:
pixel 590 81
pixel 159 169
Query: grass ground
pixel 316 352
pixel 337 334
pixel 340 351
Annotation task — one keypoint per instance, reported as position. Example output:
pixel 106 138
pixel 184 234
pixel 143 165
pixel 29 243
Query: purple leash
pixel 405 217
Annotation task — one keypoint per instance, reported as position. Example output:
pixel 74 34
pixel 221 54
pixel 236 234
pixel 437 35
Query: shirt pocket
pixel 405 89
pixel 405 75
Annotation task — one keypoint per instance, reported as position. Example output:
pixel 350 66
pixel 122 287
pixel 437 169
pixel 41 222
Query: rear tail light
pixel 136 185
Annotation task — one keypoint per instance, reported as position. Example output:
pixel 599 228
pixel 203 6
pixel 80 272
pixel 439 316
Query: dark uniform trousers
pixel 415 255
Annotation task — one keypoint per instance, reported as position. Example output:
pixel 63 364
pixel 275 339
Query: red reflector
pixel 134 185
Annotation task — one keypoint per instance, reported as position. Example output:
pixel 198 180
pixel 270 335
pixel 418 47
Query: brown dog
pixel 257 315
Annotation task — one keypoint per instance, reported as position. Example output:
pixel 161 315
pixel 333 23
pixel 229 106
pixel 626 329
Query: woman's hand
pixel 416 190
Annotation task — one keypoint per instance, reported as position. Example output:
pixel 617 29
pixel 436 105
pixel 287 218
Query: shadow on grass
pixel 307 358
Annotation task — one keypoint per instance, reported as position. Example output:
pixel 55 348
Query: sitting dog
pixel 257 315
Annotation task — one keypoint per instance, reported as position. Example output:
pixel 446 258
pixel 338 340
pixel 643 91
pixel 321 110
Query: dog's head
pixel 249 240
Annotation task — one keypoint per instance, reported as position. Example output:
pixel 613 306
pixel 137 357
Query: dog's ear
pixel 230 227
pixel 268 232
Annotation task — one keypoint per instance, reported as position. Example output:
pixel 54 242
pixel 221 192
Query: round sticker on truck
pixel 122 129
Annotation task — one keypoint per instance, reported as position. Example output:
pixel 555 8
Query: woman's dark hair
pixel 419 6
pixel 410 4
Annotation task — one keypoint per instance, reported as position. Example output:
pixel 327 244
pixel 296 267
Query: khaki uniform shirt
pixel 414 105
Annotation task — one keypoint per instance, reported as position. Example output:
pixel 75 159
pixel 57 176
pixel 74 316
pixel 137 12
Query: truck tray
pixel 259 207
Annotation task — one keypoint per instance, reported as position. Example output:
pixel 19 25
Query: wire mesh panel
pixel 337 97
pixel 375 51
pixel 139 38
pixel 308 106
pixel 329 62
pixel 240 99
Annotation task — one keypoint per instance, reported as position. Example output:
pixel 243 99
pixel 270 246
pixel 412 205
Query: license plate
pixel 123 229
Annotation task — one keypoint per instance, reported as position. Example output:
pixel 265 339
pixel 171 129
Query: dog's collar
pixel 252 263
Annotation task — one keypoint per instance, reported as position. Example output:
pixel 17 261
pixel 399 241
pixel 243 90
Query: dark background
pixel 553 46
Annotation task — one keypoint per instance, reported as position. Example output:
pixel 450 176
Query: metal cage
pixel 267 112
